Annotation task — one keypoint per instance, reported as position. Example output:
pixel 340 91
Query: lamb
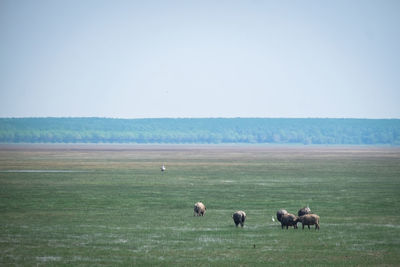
pixel 239 217
pixel 310 219
pixel 280 213
pixel 199 209
pixel 304 211
pixel 289 220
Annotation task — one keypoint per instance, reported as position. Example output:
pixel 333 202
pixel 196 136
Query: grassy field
pixel 110 205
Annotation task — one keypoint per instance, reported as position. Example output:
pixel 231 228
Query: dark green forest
pixel 201 131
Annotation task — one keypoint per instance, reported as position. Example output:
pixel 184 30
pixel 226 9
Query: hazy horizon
pixel 144 118
pixel 161 118
pixel 209 59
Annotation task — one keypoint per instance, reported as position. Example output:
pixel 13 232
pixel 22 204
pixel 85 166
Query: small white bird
pixel 163 168
pixel 273 219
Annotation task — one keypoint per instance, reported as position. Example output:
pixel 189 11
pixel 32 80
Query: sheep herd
pixel 286 219
pixel 304 216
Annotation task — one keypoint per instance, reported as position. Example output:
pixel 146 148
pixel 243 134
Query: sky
pixel 196 59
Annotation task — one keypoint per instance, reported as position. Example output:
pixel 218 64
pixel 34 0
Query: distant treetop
pixel 201 131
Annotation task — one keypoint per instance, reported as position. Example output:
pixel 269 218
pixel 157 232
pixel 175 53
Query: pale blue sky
pixel 143 59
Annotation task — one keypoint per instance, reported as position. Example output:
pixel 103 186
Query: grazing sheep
pixel 310 219
pixel 239 217
pixel 304 211
pixel 280 213
pixel 289 220
pixel 199 209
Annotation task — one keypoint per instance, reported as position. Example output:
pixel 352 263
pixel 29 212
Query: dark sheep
pixel 310 219
pixel 280 213
pixel 239 217
pixel 289 220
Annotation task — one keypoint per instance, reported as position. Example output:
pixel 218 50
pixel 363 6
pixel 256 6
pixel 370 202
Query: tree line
pixel 201 131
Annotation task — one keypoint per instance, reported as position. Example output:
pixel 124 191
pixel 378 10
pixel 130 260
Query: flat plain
pixel 110 205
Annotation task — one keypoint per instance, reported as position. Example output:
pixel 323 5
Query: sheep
pixel 310 219
pixel 199 209
pixel 289 220
pixel 239 217
pixel 280 213
pixel 304 211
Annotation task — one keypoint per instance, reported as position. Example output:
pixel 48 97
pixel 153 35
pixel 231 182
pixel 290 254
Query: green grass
pixel 121 210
